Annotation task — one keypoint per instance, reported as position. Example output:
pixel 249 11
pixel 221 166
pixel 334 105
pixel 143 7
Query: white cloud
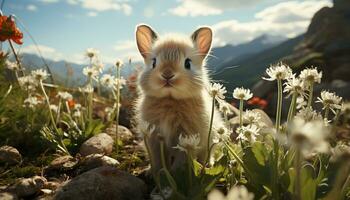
pixel 32 7
pixel 92 14
pixel 292 11
pixel 103 5
pixel 46 51
pixel 195 8
pixel 127 49
pixel 288 19
pixel 48 1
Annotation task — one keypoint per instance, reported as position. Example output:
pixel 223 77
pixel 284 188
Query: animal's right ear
pixel 145 38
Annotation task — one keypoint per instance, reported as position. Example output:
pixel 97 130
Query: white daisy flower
pixel 308 114
pixel 77 106
pixel 188 143
pixel 235 193
pixel 121 82
pixel 98 66
pixel 310 136
pixel 242 94
pixel 107 81
pixel 91 52
pixel 294 85
pixel 224 107
pixel 40 74
pixel 119 63
pixel 91 72
pixel 252 117
pixel 221 134
pixel 248 133
pixel 31 102
pixel 310 75
pixel 65 96
pixel 54 108
pixel 278 72
pixel 87 89
pixel 330 100
pixel 77 113
pixel 301 103
pixel 11 65
pixel 27 82
pixel 217 90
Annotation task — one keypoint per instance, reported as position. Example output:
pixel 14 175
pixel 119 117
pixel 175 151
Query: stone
pixel 10 155
pixel 97 160
pixel 52 185
pixel 29 186
pixel 124 133
pixel 102 183
pixel 8 196
pixel 101 143
pixel 63 163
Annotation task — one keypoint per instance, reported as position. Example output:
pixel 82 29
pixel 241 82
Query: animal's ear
pixel 202 39
pixel 145 37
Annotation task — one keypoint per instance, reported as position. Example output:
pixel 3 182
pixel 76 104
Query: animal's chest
pixel 174 117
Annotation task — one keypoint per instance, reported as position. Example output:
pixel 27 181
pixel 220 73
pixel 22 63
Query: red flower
pixel 9 31
pixel 262 103
pixel 71 103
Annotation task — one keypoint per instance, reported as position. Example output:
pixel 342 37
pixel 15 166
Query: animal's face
pixel 173 64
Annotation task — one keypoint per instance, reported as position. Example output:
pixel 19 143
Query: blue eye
pixel 154 62
pixel 188 63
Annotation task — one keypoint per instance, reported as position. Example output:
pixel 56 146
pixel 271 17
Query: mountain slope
pixel 248 69
pixel 229 52
pixel 67 73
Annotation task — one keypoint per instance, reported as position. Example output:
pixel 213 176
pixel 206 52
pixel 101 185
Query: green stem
pixel 297 165
pixel 90 97
pixel 209 133
pixel 240 113
pixel 326 113
pixel 292 108
pixel 58 110
pixel 275 171
pixel 117 107
pixel 345 187
pixel 311 93
pixel 16 57
pixel 238 159
pixel 279 106
pixel 52 118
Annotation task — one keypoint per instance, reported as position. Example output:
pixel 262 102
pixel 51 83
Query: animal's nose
pixel 167 75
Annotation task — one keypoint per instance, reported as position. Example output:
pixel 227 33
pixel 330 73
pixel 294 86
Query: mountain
pixel 225 54
pixel 247 69
pixel 326 43
pixel 68 73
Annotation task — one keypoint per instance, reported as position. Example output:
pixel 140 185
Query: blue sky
pixel 65 28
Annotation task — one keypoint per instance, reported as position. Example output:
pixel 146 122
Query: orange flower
pixel 71 103
pixel 9 31
pixel 262 103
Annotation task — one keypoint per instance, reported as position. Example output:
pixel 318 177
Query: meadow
pixel 51 135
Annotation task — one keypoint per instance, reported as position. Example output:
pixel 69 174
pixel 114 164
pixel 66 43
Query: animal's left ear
pixel 202 39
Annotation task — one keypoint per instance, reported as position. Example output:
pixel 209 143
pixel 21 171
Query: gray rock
pixel 102 183
pixel 97 160
pixel 52 185
pixel 101 143
pixel 124 133
pixel 29 186
pixel 10 155
pixel 8 196
pixel 63 163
